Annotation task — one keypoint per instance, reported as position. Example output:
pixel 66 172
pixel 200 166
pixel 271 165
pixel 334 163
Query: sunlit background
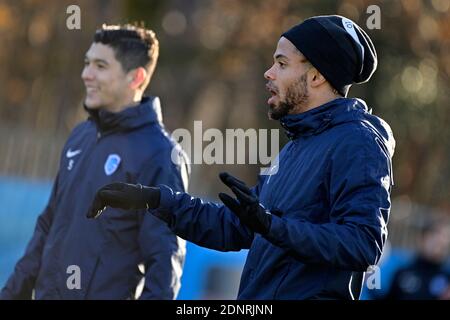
pixel 212 59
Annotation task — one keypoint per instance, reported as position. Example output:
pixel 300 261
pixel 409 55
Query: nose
pixel 269 75
pixel 87 73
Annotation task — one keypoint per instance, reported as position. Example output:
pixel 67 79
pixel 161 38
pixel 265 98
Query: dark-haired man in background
pixel 123 139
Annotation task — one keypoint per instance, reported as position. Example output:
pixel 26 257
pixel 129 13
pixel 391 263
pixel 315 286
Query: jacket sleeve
pixel 359 181
pixel 163 252
pixel 206 224
pixel 21 283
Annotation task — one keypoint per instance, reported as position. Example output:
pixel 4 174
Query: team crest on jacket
pixel 111 164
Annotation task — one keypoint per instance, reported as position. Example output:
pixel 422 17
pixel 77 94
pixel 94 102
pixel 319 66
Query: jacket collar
pixel 147 112
pixel 320 118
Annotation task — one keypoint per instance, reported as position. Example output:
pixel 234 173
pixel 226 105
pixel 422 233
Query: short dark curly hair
pixel 133 46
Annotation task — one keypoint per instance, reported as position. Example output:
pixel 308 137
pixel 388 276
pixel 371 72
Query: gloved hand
pixel 124 196
pixel 247 207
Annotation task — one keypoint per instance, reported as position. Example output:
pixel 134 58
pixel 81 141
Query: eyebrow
pixel 280 56
pixel 96 60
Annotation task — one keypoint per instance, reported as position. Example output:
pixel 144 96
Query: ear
pixel 136 77
pixel 317 79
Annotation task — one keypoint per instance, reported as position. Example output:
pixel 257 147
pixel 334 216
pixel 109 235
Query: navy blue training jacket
pixel 109 252
pixel 330 202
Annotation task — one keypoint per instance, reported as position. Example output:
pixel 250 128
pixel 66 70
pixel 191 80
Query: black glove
pixel 124 196
pixel 247 207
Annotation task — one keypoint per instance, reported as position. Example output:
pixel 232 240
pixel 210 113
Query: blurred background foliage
pixel 212 60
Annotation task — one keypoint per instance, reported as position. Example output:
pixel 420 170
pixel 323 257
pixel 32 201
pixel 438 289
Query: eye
pixel 281 64
pixel 86 63
pixel 101 66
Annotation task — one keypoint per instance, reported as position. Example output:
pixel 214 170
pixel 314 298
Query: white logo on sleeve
pixel 111 164
pixel 71 154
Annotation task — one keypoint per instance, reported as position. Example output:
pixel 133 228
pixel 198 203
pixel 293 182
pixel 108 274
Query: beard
pixel 296 97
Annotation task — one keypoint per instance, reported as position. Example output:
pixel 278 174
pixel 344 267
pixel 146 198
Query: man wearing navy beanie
pixel 318 220
pixel 338 48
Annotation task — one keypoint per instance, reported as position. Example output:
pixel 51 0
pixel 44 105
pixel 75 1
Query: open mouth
pixel 91 90
pixel 90 87
pixel 273 93
pixel 272 89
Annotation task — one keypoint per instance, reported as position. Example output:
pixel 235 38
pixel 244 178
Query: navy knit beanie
pixel 337 47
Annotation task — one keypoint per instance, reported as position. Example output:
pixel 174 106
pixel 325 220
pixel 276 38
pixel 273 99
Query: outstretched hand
pixel 124 196
pixel 246 205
